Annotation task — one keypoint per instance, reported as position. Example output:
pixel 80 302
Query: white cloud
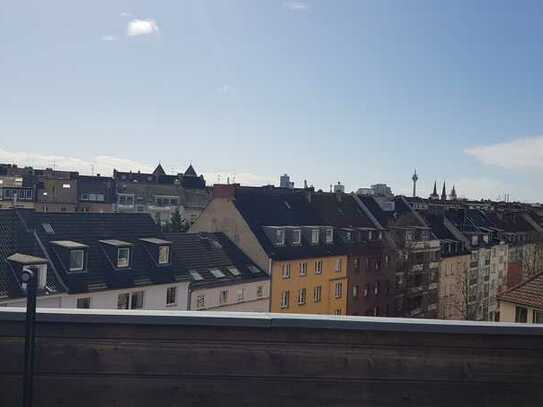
pixel 104 165
pixel 295 5
pixel 126 14
pixel 521 153
pixel 109 38
pixel 139 27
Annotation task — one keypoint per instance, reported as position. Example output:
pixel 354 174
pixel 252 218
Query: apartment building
pixel 96 194
pixel 453 268
pixel 108 261
pixel 160 194
pixel 417 255
pixel 370 260
pixel 283 234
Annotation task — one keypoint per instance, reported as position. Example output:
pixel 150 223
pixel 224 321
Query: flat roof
pixel 26 259
pixel 70 244
pixel 116 243
pixel 155 240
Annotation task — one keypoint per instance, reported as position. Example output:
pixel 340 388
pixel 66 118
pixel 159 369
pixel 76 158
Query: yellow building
pixel 310 286
pixel 282 234
pixel 453 272
pixel 523 303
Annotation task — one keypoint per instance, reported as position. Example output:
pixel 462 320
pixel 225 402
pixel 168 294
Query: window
pixel 318 267
pixel 241 294
pixel 348 236
pixel 136 302
pixel 521 314
pixel 338 311
pixel 286 271
pixel 314 236
pixel 338 265
pixel 200 301
pixel 317 294
pixel 123 301
pixel 171 296
pixel 339 289
pixel 380 236
pixel 296 236
pixel 356 264
pixel 376 288
pixel 301 296
pixel 84 303
pixel 77 260
pixel 284 299
pixel 355 291
pixel 123 257
pixel 164 255
pixel 260 291
pixel 223 297
pixel 387 260
pixel 329 236
pixel 537 317
pixel 366 290
pixel 370 235
pixel 66 186
pixel 303 269
pixel 217 273
pixel 234 271
pixel 280 236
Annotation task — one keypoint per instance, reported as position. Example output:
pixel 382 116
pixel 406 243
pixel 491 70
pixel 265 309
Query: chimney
pixel 225 191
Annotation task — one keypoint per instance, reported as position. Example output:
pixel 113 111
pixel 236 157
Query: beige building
pixel 523 303
pixel 453 272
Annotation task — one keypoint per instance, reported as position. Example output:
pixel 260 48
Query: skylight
pixel 196 276
pixel 48 228
pixel 216 244
pixel 217 273
pixel 253 269
pixel 234 271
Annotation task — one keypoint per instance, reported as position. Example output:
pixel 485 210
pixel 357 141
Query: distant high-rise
pixel 339 187
pixel 382 190
pixel 284 182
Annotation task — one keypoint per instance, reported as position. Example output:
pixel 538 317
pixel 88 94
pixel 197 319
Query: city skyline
pixel 357 92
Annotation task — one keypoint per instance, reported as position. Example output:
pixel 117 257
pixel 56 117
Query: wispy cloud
pixel 108 38
pixel 137 27
pixel 105 165
pixel 521 153
pixel 126 14
pixel 296 5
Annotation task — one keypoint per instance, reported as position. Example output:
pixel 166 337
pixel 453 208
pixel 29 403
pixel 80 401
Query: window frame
pixel 119 250
pixel 302 296
pixel 161 261
pixel 88 299
pixel 285 299
pixel 77 269
pixel 338 290
pixel 168 296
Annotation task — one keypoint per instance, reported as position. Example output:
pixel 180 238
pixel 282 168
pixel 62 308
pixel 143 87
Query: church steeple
pixel 443 193
pixel 453 196
pixel 434 194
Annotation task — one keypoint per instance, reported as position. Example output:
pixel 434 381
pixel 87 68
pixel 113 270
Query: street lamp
pixel 29 279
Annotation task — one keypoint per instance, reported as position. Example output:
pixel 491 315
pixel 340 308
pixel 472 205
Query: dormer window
pixel 123 257
pixel 164 255
pixel 77 260
pixel 72 254
pixel 296 236
pixel 315 236
pixel 329 235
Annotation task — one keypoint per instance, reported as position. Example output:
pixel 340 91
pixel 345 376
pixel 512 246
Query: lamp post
pixel 29 278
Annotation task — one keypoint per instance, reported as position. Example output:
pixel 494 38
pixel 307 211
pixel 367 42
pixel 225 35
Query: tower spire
pixel 415 178
pixel 434 194
pixel 443 193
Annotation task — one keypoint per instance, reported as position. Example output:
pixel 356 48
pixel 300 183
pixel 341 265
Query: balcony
pixel 425 245
pixel 90 358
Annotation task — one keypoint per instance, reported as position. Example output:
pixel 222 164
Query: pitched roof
pixel 92 230
pixel 190 172
pixel 159 170
pixel 340 210
pixel 529 293
pixel 204 252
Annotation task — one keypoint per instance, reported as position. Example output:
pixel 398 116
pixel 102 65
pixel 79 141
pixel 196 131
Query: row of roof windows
pixel 281 235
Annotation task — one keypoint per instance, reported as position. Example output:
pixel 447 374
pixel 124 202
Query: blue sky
pixel 356 91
